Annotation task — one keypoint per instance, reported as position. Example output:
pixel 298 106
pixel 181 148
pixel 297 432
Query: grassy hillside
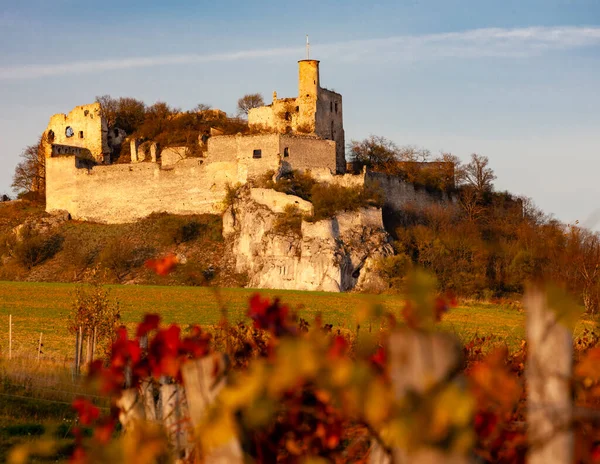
pixel 76 251
pixel 44 307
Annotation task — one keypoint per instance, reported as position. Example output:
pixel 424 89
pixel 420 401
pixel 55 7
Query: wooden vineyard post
pixel 39 348
pixel 549 397
pixel 10 336
pixel 131 409
pixel 418 360
pixel 203 380
pixel 80 354
pixel 77 343
pixel 173 416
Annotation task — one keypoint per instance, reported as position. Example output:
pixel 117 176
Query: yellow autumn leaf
pixel 378 401
pixel 217 431
pixel 567 311
pixel 246 388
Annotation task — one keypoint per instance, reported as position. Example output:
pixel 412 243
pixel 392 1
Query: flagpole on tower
pixel 307 48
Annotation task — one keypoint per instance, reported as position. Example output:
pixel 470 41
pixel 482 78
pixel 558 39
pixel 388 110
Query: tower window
pixel 69 131
pixel 257 154
pixel 286 152
pixel 297 109
pixel 288 116
pixel 331 106
pixel 336 107
pixel 80 134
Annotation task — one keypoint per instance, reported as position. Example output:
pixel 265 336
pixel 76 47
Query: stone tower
pixel 320 109
pixel 316 111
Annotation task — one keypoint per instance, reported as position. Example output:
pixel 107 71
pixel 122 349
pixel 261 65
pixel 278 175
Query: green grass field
pixel 44 307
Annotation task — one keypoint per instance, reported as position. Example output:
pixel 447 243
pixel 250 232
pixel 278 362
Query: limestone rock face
pixel 332 255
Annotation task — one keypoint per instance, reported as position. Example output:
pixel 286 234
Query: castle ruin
pixel 304 133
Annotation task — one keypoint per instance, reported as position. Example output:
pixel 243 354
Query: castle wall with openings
pixel 126 192
pixel 83 128
pixel 316 111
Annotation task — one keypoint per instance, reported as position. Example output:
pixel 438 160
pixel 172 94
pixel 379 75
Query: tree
pixel 249 101
pixel 478 175
pixel 374 151
pixel 30 173
pixel 201 107
pixel 125 113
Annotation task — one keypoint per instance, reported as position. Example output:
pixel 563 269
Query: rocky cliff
pixel 336 255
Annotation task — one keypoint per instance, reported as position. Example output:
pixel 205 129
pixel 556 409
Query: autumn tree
pixel 125 113
pixel 30 173
pixel 478 175
pixel 373 152
pixel 249 101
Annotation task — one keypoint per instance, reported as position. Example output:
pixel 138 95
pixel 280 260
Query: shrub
pixel 329 199
pixel 93 311
pixel 80 253
pixel 296 183
pixel 35 248
pixel 394 269
pixel 232 194
pixel 121 256
pixel 289 222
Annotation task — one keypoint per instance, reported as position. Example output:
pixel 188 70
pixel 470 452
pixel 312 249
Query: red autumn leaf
pixel 163 266
pixel 78 456
pixel 338 348
pixel 379 359
pixel 86 411
pixel 441 307
pixel 103 431
pixel 150 322
pixel 271 316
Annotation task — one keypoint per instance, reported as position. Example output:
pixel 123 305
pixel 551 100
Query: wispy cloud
pixel 477 43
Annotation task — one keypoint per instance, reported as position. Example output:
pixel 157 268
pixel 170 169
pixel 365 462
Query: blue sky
pixel 517 81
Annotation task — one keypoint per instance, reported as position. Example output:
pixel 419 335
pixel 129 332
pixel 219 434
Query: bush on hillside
pixel 289 222
pixel 296 183
pixel 175 229
pixel 330 199
pixel 121 256
pixel 34 248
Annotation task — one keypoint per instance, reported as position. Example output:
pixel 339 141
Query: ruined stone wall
pixel 398 193
pixel 329 124
pixel 83 127
pixel 128 192
pixel 240 150
pixel 171 155
pixel 280 116
pixel 307 153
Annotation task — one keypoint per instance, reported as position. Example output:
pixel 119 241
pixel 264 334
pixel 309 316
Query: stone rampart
pixel 397 193
pixel 127 192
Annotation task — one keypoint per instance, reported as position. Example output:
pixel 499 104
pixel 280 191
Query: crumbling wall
pixel 127 192
pixel 84 127
pixel 303 152
pixel 329 124
pixel 172 155
pixel 253 154
pixel 398 193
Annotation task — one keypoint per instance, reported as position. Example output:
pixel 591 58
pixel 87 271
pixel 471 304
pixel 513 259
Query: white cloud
pixel 476 43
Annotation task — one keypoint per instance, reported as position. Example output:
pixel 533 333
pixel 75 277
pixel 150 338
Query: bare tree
pixel 374 151
pixel 469 202
pixel 201 107
pixel 249 101
pixel 30 173
pixel 478 175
